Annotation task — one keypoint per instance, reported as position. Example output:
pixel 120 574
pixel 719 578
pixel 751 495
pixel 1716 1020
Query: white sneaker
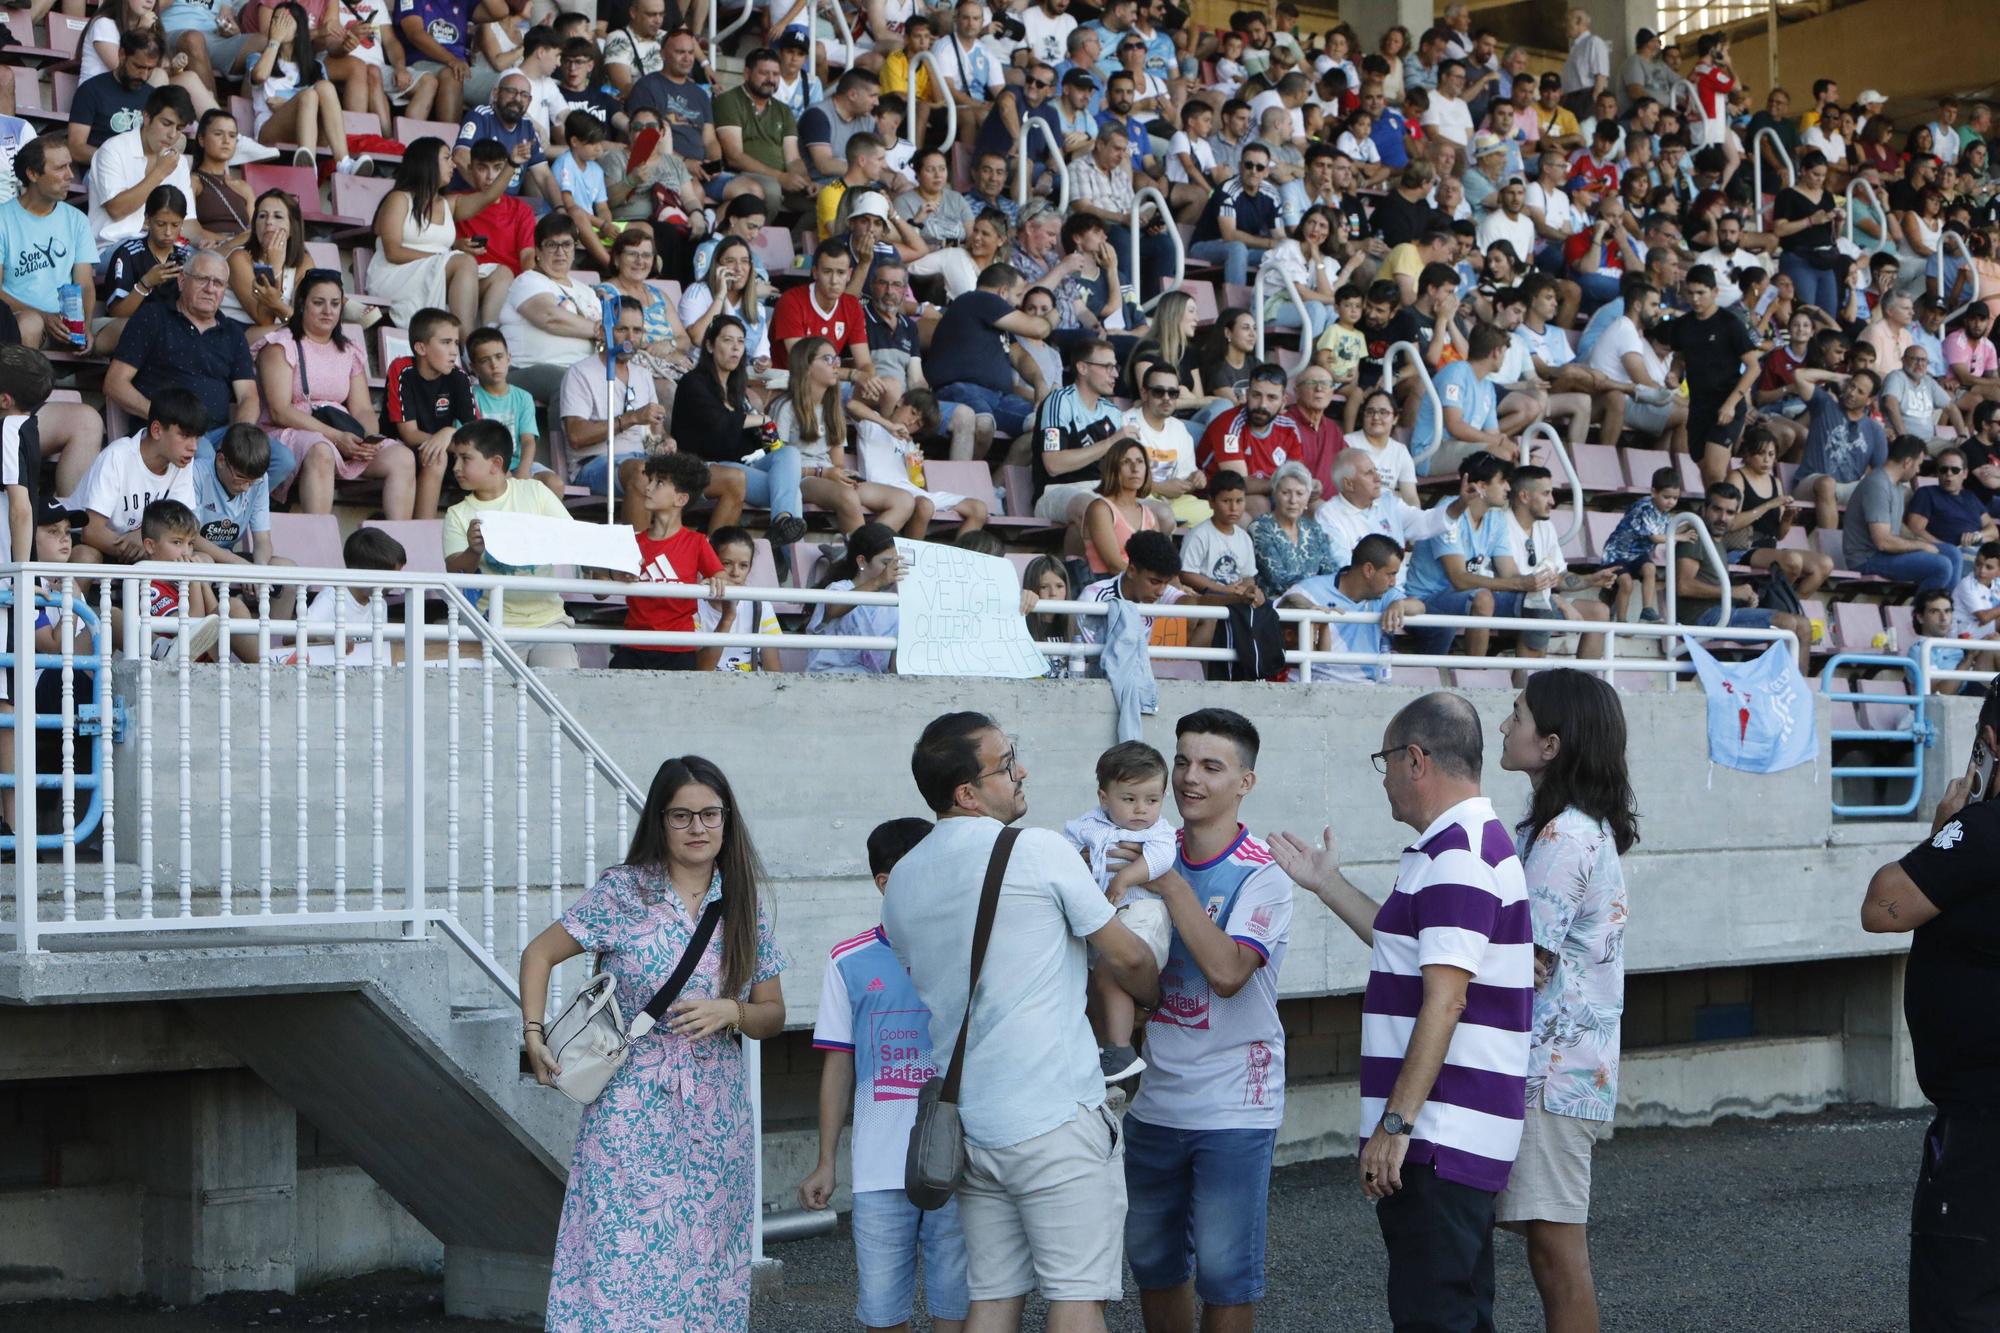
pixel 305 157
pixel 201 639
pixel 355 166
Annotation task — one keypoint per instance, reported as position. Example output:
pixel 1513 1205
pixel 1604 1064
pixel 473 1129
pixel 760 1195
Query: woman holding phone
pixel 143 268
pixel 265 270
pixel 656 1216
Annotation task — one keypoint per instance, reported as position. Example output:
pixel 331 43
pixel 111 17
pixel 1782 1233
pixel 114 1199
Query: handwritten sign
pixel 961 616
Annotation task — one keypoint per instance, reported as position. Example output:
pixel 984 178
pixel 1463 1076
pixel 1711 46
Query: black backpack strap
pixel 704 931
pixel 982 932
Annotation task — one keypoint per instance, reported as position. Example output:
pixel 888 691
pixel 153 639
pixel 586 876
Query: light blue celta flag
pixel 1760 712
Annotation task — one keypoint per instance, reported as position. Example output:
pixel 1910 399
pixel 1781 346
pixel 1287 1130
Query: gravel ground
pixel 1797 1224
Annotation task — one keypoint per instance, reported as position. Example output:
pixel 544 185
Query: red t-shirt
pixel 508 225
pixel 1590 174
pixel 685 557
pixel 798 316
pixel 1229 439
pixel 1712 85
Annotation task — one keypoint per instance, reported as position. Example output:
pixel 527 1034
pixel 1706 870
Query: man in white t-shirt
pixel 1510 223
pixel 551 320
pixel 1363 506
pixel 1169 447
pixel 1730 258
pixel 1200 1135
pixel 155 464
pixel 1043 1203
pixel 1447 114
pixel 608 422
pixel 1537 547
pixel 127 167
pixel 1049 24
pixel 1291 94
pixel 1625 356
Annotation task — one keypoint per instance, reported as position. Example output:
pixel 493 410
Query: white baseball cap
pixel 1871 98
pixel 871 204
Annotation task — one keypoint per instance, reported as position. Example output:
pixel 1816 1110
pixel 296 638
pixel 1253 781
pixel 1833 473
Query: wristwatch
pixel 1394 1124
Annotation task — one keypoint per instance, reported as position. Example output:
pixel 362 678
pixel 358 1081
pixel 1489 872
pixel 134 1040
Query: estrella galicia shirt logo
pixel 444 32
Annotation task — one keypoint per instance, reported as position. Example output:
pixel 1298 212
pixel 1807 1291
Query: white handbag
pixel 590 1039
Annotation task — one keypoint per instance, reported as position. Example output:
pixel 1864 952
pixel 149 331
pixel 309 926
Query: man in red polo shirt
pixel 1255 439
pixel 1320 436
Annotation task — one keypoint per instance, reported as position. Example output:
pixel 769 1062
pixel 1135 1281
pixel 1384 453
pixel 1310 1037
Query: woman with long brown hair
pixel 656 1217
pixel 812 419
pixel 1124 480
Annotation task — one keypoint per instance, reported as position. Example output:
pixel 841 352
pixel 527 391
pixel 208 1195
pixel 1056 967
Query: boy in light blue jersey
pixel 871 1022
pixel 509 404
pixel 1368 586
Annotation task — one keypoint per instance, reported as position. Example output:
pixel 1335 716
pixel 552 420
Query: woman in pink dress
pixel 655 1230
pixel 334 374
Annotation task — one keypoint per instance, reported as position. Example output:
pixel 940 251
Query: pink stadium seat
pixel 409 130
pixel 362 122
pixel 1638 681
pixel 774 249
pixel 970 479
pixel 355 198
pixel 1855 625
pixel 1794 539
pixel 1598 467
pixel 1903 620
pixel 311 541
pixel 1599 527
pixel 668 288
pixel 1482 678
pixel 1236 294
pixel 1020 560
pixel 1787 473
pixel 422 539
pixel 1641 464
pixel 1204 301
pixel 66 33
pixel 1422 677
pixel 302 183
pixel 1691 483
pixel 1174 669
pixel 62 87
pixel 764 574
pixel 1885 717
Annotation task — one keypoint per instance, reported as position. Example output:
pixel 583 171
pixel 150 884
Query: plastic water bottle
pixel 70 297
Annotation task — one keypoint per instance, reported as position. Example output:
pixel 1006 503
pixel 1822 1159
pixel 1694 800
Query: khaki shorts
pixel 1551 1177
pixel 1802 488
pixel 1048 1214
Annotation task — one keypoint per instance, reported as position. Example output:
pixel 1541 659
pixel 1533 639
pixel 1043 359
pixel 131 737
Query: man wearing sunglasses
pixel 1240 221
pixel 1168 445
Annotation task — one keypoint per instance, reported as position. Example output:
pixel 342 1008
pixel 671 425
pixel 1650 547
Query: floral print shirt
pixel 1282 562
pixel 1576 895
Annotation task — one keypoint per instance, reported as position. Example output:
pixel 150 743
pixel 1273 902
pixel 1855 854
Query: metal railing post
pixel 26 877
pixel 1670 646
pixel 1757 167
pixel 1029 129
pixel 910 125
pixel 415 795
pixel 1264 271
pixel 1542 430
pixel 1875 202
pixel 1423 377
pixel 715 17
pixel 1139 198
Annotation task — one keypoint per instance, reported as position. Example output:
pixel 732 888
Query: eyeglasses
pixel 829 359
pixel 1381 757
pixel 559 247
pixel 1010 764
pixel 680 817
pixel 1101 365
pixel 1389 412
pixel 1256 166
pixel 1315 384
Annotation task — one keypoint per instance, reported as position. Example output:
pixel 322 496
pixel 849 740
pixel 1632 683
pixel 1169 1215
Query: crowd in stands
pixel 621 247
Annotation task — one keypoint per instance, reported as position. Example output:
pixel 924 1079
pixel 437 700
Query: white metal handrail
pixel 840 26
pixel 1757 168
pixel 1264 272
pixel 1693 103
pixel 1030 127
pixel 1928 671
pixel 716 35
pixel 1424 378
pixel 1668 665
pixel 1882 214
pixel 911 126
pixel 1716 564
pixel 1946 234
pixel 1546 433
pixel 1140 197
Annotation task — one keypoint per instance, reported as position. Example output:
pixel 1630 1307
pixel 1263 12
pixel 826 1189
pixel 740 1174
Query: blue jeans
pixel 888 1230
pixel 1597 288
pixel 1815 286
pixel 1435 640
pixel 1929 570
pixel 1319 312
pixel 283 461
pixel 594 473
pixel 1236 258
pixel 771 481
pixel 1196 1206
pixel 1010 412
pixel 1740 617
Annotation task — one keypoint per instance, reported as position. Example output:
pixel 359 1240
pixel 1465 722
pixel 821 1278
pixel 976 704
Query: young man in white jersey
pixel 1199 1137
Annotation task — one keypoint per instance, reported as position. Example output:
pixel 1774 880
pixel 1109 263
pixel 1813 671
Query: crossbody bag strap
pixel 704 931
pixel 982 932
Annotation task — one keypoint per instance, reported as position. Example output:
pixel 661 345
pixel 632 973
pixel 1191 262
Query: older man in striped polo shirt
pixel 1444 1023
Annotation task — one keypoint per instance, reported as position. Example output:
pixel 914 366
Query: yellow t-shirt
pixel 1348 347
pixel 828 206
pixel 896 77
pixel 1561 123
pixel 524 610
pixel 1405 261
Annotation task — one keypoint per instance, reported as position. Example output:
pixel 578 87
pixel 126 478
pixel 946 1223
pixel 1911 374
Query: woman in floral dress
pixel 655 1230
pixel 1567 733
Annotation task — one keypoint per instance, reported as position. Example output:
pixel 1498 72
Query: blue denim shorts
pixel 888 1232
pixel 1196 1205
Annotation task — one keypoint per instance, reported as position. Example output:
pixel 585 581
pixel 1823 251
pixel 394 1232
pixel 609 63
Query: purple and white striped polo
pixel 1459 900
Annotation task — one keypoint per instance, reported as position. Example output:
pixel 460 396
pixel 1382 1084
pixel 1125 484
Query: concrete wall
pixel 1905 49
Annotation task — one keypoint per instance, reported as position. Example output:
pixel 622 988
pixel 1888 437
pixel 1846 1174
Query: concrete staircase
pixel 362 1038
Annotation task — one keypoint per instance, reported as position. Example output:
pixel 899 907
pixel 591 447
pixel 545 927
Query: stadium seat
pixel 1599 526
pixel 1855 625
pixel 302 183
pixel 422 539
pixel 1421 677
pixel 972 479
pixel 1828 541
pixel 1691 483
pixel 1599 468
pixel 1903 620
pixel 1204 301
pixel 1482 678
pixel 409 130
pixel 1885 717
pixel 311 541
pixel 355 198
pixel 764 574
pixel 1638 681
pixel 362 122
pixel 773 248
pixel 1640 465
